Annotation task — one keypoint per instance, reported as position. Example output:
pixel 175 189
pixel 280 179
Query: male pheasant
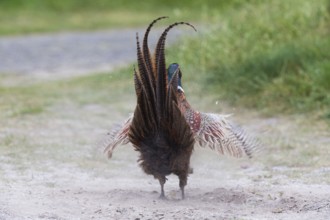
pixel 164 127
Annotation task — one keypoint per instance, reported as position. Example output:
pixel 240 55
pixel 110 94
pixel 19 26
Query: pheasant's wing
pixel 117 136
pixel 219 134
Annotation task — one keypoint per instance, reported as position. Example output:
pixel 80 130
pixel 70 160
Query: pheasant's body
pixel 165 127
pixel 212 130
pixel 158 129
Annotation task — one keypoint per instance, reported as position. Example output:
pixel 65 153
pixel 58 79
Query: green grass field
pixel 24 17
pixel 273 56
pixel 270 55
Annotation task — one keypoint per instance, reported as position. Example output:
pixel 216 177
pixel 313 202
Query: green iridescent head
pixel 172 68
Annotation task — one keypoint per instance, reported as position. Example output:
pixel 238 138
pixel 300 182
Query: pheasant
pixel 164 127
pixel 159 130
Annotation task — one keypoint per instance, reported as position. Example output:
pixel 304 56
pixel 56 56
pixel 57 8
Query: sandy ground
pixel 60 173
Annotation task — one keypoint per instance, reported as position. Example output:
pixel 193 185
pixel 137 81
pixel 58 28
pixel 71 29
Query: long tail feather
pixel 146 52
pixel 143 77
pixel 161 67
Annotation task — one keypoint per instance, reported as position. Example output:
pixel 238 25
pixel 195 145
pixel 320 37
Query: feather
pixel 117 136
pixel 160 63
pixel 146 52
pixel 221 135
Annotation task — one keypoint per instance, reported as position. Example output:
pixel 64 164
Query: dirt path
pixel 53 56
pixel 61 174
pixel 51 168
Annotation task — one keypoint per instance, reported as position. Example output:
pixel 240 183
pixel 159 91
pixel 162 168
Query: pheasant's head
pixel 172 69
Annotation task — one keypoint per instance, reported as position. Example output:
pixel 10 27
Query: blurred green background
pixel 21 16
pixel 272 55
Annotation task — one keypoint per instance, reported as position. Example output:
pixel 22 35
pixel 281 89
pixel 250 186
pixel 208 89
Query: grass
pixel 24 17
pixel 271 55
pixel 18 101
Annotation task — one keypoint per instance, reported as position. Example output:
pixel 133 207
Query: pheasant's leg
pixel 182 192
pixel 162 182
pixel 183 183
